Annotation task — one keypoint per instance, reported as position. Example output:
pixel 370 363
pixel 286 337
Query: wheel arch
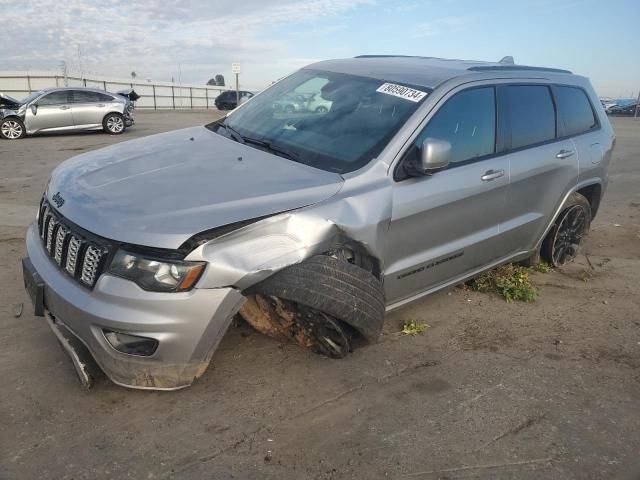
pixel 593 193
pixel 593 187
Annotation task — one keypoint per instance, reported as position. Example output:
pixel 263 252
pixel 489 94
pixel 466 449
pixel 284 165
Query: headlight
pixel 154 274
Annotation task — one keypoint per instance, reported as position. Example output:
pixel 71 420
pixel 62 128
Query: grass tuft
pixel 411 327
pixel 542 267
pixel 510 280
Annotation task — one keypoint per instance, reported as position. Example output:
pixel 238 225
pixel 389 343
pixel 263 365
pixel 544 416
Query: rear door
pixel 577 120
pixel 53 112
pixel 448 224
pixel 89 108
pixel 543 165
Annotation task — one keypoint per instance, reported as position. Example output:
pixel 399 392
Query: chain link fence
pixel 153 95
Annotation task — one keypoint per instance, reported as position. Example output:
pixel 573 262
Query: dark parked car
pixel 227 99
pixel 623 109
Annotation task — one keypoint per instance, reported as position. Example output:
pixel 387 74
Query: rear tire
pixel 12 128
pixel 567 234
pixel 114 124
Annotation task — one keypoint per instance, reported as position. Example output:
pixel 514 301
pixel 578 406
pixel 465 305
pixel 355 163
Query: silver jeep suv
pixel 423 173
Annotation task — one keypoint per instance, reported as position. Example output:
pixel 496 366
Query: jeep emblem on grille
pixel 58 200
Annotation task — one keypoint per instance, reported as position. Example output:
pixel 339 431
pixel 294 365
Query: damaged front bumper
pixel 187 326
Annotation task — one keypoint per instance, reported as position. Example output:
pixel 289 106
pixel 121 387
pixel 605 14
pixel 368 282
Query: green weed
pixel 411 327
pixel 510 280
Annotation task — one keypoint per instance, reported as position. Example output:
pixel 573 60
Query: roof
pixel 420 71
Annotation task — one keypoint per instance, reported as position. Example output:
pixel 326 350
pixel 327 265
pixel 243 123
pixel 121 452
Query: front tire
pixel 567 234
pixel 320 303
pixel 114 124
pixel 12 128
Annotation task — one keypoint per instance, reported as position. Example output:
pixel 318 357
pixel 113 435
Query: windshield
pixel 331 121
pixel 30 97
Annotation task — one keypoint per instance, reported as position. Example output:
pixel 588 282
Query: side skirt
pixel 463 278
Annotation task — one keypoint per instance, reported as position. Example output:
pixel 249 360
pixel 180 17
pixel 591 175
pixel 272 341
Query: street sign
pixel 235 68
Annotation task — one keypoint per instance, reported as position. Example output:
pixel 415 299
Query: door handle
pixel 101 105
pixel 492 175
pixel 65 107
pixel 564 154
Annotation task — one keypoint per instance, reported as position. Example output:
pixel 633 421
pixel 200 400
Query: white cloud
pixel 153 36
pixel 440 26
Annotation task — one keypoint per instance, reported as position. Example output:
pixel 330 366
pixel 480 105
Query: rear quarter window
pixel 531 115
pixel 574 111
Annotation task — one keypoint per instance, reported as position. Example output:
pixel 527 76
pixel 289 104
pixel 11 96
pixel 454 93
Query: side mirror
pixel 34 108
pixel 435 155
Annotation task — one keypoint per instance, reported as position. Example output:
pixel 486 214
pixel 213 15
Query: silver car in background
pixel 65 109
pixel 421 174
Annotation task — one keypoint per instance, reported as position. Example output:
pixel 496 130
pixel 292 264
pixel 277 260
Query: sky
pixel 192 40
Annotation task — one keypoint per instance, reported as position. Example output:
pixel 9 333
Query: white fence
pixel 153 95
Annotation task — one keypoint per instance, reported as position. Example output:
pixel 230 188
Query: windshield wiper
pixel 281 152
pixel 234 134
pixel 238 137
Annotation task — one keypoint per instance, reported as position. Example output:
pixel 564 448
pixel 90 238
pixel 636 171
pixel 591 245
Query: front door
pixel 53 111
pixel 448 224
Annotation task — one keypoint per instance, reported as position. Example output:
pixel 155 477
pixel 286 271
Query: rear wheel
pixel 113 124
pixel 561 244
pixel 321 109
pixel 12 128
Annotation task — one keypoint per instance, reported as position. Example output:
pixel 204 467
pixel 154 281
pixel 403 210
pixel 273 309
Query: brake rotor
pixel 290 321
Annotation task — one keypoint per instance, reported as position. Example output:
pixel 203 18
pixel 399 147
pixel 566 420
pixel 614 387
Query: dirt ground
pixel 490 390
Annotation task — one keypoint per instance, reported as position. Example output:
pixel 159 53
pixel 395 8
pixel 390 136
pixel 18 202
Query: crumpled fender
pixel 358 215
pixel 9 112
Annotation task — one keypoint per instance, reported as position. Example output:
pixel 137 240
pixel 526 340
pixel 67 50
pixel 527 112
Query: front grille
pixel 81 256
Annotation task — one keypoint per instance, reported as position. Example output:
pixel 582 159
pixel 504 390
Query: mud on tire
pixel 339 289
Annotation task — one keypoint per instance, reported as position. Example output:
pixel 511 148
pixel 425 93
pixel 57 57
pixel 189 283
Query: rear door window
pixel 574 110
pixel 468 122
pixel 83 96
pixel 531 115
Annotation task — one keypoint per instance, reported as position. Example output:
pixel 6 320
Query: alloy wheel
pixel 571 230
pixel 115 124
pixel 11 129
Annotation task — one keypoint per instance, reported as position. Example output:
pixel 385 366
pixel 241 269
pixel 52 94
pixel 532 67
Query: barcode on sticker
pixel 401 91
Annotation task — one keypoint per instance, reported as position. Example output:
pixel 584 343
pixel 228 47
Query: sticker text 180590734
pixel 401 91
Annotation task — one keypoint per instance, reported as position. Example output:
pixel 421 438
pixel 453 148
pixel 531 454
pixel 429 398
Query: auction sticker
pixel 401 91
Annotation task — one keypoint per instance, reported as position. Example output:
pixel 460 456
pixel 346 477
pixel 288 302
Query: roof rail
pixel 387 56
pixel 484 68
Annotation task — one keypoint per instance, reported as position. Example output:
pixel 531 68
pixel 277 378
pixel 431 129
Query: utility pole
pixel 80 61
pixel 63 66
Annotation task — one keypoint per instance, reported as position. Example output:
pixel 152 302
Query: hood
pixel 8 102
pixel 160 190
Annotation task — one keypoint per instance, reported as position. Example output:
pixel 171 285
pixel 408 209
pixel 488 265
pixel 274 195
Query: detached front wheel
pixel 567 234
pixel 321 304
pixel 113 124
pixel 12 128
